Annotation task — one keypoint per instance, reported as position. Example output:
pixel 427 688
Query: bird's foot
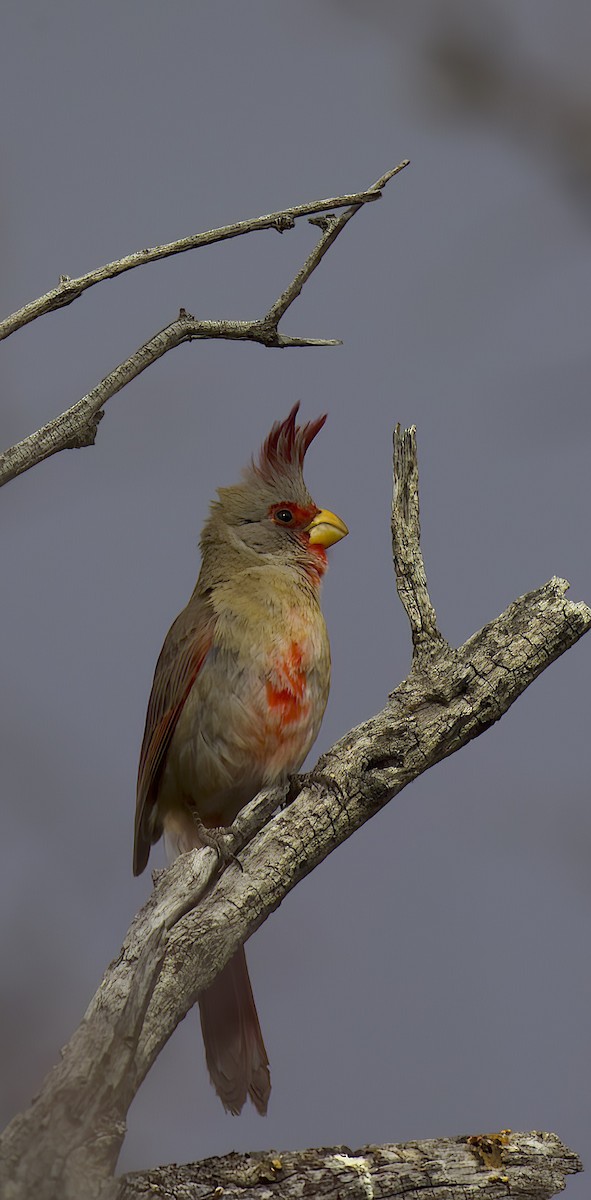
pixel 312 779
pixel 221 839
pixel 324 782
pixel 292 789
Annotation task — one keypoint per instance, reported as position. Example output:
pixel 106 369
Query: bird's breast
pixel 290 706
pixel 256 706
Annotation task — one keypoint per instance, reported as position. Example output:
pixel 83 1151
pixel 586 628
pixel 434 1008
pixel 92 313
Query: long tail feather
pixel 234 1048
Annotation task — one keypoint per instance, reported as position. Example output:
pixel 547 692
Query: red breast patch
pixel 286 691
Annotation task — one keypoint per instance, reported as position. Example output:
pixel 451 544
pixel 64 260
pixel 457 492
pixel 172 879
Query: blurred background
pixel 449 990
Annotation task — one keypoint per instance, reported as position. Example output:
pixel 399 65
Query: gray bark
pixel 68 1142
pixel 528 1165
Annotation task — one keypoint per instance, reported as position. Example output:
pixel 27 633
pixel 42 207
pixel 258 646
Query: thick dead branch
pixel 77 426
pixel 196 917
pixel 496 1166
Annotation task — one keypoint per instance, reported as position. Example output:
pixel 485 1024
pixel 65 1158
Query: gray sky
pixel 449 989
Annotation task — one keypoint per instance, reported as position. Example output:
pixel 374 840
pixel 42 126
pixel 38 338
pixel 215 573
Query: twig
pixel 77 426
pixel 533 1166
pixel 69 290
pixel 196 919
pixel 332 227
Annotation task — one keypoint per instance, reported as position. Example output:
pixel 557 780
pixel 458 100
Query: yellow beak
pixel 326 528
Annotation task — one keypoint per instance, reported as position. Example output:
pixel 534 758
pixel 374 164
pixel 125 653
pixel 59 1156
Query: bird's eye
pixel 284 515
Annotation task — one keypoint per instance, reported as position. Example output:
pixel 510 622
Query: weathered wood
pixel 532 1166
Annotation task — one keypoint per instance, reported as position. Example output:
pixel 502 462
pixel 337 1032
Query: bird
pixel 239 692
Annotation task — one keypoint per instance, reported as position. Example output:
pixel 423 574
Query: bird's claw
pixel 320 779
pixel 220 839
pixel 292 789
pixel 312 779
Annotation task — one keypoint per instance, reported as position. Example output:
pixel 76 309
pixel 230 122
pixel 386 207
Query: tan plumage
pixel 239 692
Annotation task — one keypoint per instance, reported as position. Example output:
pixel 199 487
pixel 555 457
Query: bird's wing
pixel 185 649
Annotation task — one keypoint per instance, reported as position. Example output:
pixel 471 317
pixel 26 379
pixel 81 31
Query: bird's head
pixel 270 515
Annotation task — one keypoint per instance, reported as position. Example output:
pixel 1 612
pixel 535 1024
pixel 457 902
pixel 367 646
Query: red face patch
pixel 292 516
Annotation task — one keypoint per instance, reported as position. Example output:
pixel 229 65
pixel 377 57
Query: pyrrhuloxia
pixel 238 696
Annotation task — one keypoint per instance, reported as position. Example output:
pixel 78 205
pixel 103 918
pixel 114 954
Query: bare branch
pixel 69 290
pixel 496 1166
pixel 77 426
pixel 196 918
pixel 411 579
pixel 331 226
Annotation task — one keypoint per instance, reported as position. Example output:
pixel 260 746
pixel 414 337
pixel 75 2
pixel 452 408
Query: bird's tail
pixel 234 1048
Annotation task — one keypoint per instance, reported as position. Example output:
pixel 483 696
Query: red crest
pixel 285 446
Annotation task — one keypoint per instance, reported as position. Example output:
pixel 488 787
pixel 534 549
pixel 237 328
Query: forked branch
pixel 69 290
pixel 196 918
pixel 77 426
